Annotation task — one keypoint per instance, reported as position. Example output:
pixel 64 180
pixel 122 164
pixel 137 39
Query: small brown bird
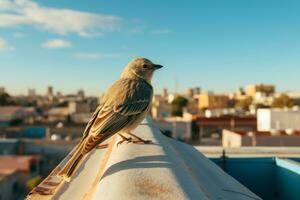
pixel 122 109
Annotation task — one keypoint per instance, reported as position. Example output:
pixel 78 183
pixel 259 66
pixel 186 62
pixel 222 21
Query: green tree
pixel 5 99
pixel 244 103
pixel 177 105
pixel 282 101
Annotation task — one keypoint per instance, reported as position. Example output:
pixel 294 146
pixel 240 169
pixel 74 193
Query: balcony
pixel 167 169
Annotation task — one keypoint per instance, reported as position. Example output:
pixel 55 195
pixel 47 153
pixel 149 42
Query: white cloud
pixel 57 44
pixel 161 31
pixel 98 56
pixel 18 34
pixel 59 21
pixel 5 46
pixel 136 30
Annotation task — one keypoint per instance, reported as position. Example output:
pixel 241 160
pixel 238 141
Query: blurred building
pixel 240 94
pixel 9 184
pixel 192 106
pixel 179 128
pixel 35 132
pixel 50 91
pixel 160 107
pixel 30 115
pixel 58 114
pixel 30 132
pixel 171 98
pixel 26 165
pixel 93 103
pixel 210 100
pixel 11 114
pixel 78 107
pixel 263 99
pixel 81 111
pixel 214 125
pixel 71 98
pixel 80 94
pixel 27 168
pixel 240 138
pixel 31 93
pixel 165 93
pixel 81 118
pixel 190 92
pixel 50 94
pixel 2 90
pixel 295 96
pixel 254 89
pixel 278 119
pixel 9 146
pixel 197 90
pixel 76 111
pixel 58 94
pixel 219 112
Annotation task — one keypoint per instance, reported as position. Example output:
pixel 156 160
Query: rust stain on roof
pixel 148 187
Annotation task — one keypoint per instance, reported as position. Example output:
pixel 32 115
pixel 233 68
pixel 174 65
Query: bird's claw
pixel 148 142
pixel 129 140
pixel 142 142
pixel 134 141
pixel 123 140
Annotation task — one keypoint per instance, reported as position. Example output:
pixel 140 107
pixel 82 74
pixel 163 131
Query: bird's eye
pixel 145 66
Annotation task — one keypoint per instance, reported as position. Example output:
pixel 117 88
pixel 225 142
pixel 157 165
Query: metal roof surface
pixel 167 169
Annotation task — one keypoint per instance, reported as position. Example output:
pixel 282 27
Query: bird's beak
pixel 157 66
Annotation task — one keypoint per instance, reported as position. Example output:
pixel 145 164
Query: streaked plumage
pixel 122 108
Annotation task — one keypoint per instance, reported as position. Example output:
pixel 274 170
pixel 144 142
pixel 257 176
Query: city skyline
pixel 217 46
pixel 186 92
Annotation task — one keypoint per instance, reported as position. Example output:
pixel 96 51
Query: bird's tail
pixel 68 170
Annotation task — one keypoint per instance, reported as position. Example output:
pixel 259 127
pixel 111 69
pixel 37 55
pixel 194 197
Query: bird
pixel 123 107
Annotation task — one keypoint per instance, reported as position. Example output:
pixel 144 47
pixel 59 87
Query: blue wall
pixel 34 132
pixel 288 179
pixel 264 177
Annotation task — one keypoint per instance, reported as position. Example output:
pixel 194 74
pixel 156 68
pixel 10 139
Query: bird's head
pixel 141 68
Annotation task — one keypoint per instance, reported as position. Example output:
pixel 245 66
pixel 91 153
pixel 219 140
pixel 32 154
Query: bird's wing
pixel 90 123
pixel 123 103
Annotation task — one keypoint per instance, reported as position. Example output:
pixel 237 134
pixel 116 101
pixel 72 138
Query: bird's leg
pixel 124 139
pixel 138 139
pixel 102 146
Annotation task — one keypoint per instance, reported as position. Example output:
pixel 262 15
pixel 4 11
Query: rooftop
pixel 9 109
pixel 5 173
pixel 19 163
pixel 268 133
pixel 167 169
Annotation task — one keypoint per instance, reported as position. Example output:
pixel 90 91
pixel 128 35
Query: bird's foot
pixel 124 139
pixel 138 140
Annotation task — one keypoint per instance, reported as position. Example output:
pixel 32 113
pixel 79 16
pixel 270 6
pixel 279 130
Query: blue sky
pixel 217 45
